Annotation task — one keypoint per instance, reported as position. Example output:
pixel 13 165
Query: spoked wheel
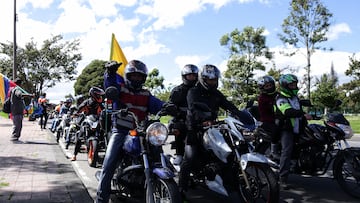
pixel 93 153
pixel 164 191
pixel 347 173
pixel 264 186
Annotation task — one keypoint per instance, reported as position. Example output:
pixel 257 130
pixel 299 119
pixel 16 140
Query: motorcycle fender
pixel 163 173
pixel 257 158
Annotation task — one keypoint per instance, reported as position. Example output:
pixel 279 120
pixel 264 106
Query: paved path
pixel 34 169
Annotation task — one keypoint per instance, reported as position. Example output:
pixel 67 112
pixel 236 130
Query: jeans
pixel 17 125
pixel 114 153
pixel 287 145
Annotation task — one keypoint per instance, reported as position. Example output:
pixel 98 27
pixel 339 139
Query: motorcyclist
pixel 137 100
pixel 90 106
pixel 205 92
pixel 266 105
pixel 292 122
pixel 189 75
pixel 65 107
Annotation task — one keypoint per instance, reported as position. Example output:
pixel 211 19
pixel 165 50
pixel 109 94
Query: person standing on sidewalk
pixel 44 114
pixel 17 108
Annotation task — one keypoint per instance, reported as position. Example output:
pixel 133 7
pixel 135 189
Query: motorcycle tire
pixel 347 173
pixel 93 153
pixel 264 186
pixel 164 191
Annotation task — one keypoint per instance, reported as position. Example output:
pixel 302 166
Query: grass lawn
pixel 354 122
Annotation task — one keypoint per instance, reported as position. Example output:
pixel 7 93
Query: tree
pixel 352 88
pixel 92 75
pixel 246 48
pixel 307 25
pixel 42 68
pixel 326 93
pixel 154 82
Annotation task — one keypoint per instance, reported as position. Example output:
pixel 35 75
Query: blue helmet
pixel 135 66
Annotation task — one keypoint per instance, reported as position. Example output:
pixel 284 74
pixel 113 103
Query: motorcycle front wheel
pixel 93 153
pixel 264 186
pixel 347 173
pixel 164 191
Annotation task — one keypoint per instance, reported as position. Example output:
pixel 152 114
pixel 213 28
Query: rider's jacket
pixel 178 98
pixel 214 100
pixel 90 107
pixel 140 102
pixel 289 112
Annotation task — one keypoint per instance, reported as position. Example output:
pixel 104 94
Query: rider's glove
pixel 112 66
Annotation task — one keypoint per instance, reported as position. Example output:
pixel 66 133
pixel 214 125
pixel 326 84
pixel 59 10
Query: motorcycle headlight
pixel 157 134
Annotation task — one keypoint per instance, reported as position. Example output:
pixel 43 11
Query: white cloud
pixel 171 13
pixel 181 61
pixel 336 30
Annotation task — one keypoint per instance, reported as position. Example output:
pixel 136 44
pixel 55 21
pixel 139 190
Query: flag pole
pixel 14 48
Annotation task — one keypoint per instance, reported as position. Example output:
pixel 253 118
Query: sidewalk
pixel 34 169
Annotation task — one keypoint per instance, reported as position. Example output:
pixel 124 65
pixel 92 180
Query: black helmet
pixel 79 99
pixel 209 72
pixel 135 66
pixel 189 69
pixel 288 84
pixel 266 84
pixel 96 94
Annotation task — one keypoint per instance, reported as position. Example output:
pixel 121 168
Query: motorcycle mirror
pixel 112 93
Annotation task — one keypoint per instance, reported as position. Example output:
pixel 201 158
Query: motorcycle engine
pixel 132 180
pixel 311 159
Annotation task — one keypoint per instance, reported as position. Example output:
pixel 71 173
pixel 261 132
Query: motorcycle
pixel 319 147
pixel 225 144
pixel 94 138
pixel 62 128
pixel 144 165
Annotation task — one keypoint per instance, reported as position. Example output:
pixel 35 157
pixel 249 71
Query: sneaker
pixel 14 139
pixel 177 160
pixel 73 158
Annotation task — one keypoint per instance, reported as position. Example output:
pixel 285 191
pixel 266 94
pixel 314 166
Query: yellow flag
pixel 116 54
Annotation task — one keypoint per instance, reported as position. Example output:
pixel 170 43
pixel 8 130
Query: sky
pixel 167 34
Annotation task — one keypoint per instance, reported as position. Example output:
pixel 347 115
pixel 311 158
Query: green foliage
pixel 154 81
pixel 306 25
pixel 351 88
pixel 92 75
pixel 245 50
pixel 326 93
pixel 42 68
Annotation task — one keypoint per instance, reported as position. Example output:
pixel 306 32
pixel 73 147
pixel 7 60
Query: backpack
pixel 7 104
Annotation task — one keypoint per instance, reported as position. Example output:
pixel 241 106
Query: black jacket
pixel 213 99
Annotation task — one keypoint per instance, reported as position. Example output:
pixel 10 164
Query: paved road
pixel 303 188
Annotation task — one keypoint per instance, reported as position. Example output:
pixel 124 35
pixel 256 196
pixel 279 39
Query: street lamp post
pixel 14 50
